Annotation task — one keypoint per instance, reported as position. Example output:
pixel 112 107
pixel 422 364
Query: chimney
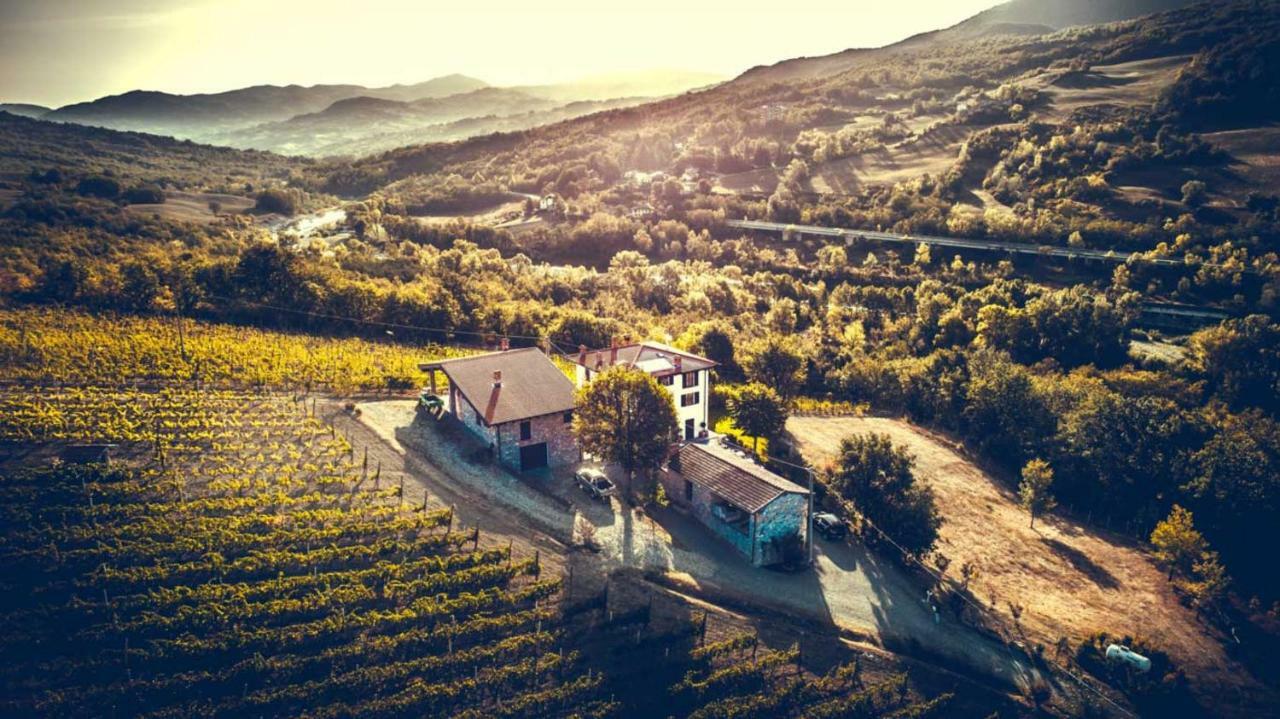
pixel 582 355
pixel 613 351
pixel 599 361
pixel 497 378
pixel 505 344
pixel 679 362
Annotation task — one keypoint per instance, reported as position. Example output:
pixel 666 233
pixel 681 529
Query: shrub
pixel 144 195
pixel 98 186
pixel 278 201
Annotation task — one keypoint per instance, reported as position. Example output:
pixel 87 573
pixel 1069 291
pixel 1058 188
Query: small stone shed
pixel 517 401
pixel 753 509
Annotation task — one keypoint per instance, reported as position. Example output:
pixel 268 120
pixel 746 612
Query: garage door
pixel 533 456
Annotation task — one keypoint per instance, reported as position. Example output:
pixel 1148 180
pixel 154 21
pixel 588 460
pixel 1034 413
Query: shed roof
pixel 531 384
pixel 648 356
pixel 736 479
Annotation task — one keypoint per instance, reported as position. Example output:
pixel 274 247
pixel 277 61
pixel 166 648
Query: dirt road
pixel 1071 580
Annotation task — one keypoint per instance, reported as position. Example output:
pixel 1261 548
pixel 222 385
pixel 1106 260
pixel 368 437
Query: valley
pixel 938 378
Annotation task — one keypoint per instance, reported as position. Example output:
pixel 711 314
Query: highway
pixel 849 236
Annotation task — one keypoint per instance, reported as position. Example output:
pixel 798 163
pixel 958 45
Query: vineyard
pixel 47 346
pixel 242 561
pixel 238 557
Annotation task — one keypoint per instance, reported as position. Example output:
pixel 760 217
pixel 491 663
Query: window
pixel 688 491
pixel 691 379
pixel 568 417
pixel 526 430
pixel 689 400
pixel 667 380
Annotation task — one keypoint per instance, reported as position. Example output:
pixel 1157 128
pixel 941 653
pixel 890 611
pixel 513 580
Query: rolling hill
pixel 192 116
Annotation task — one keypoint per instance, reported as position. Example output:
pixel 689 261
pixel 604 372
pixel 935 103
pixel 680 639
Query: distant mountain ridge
pixel 350 119
pixel 1015 17
pixel 22 109
pixel 187 115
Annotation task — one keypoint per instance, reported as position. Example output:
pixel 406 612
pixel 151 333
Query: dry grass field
pixel 1070 579
pixel 193 206
pixel 1126 84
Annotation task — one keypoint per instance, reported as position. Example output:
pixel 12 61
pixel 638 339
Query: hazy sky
pixel 57 51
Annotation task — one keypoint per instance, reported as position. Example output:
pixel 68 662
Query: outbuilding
pixel 517 401
pixel 760 513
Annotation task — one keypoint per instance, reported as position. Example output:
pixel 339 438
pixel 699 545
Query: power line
pixel 379 323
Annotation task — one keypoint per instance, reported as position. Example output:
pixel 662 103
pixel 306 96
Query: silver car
pixel 595 483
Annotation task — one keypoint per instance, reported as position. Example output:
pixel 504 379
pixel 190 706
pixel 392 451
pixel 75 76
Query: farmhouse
pixel 753 509
pixel 517 401
pixel 687 376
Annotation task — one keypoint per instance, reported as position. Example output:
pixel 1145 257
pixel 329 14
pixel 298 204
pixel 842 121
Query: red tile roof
pixel 531 385
pixel 732 477
pixel 647 351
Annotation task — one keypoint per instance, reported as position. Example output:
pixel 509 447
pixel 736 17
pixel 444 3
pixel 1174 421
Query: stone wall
pixel 562 447
pixel 783 516
pixel 467 415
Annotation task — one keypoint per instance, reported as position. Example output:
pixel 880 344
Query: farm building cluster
pixel 520 405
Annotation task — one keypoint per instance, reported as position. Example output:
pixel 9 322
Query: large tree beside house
pixel 758 411
pixel 625 416
pixel 877 477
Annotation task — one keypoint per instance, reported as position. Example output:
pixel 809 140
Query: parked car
pixel 1121 653
pixel 829 526
pixel 430 403
pixel 595 483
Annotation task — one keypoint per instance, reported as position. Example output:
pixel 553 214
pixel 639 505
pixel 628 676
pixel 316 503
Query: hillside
pixel 25 110
pixel 348 125
pixel 353 119
pixel 941 137
pixel 200 114
pixel 28 145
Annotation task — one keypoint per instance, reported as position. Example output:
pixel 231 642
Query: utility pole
pixel 808 535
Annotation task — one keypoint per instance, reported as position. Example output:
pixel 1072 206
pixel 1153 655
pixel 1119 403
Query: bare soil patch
pixel 1071 580
pixel 194 206
pixel 1125 84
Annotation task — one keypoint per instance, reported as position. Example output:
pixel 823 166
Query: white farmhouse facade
pixel 687 376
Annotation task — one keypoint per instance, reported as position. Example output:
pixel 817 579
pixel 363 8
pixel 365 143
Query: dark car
pixel 829 526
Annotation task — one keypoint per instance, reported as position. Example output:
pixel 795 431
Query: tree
pixel 277 200
pixel 1176 540
pixel 1033 492
pixel 876 476
pixel 144 195
pixel 712 339
pixel 758 411
pixel 923 256
pixel 215 207
pixel 775 362
pixel 1241 360
pixel 1194 193
pixel 98 186
pixel 625 416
